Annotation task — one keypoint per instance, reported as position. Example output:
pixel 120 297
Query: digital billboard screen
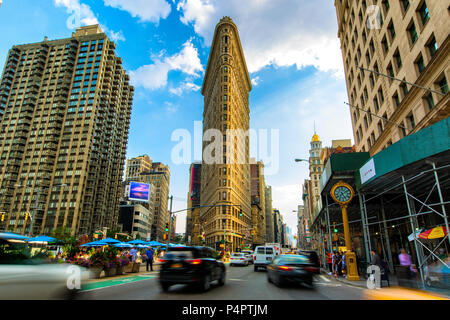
pixel 139 192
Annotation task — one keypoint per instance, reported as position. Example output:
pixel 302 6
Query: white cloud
pixel 256 81
pixel 154 76
pixel 185 86
pixel 298 32
pixel 146 10
pixel 82 15
pixel 286 199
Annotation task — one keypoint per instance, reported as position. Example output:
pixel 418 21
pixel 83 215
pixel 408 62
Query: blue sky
pixel 292 53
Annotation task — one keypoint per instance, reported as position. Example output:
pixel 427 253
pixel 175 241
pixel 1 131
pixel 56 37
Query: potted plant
pixel 124 262
pixel 97 262
pixel 113 262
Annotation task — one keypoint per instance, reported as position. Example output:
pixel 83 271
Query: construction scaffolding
pixel 402 192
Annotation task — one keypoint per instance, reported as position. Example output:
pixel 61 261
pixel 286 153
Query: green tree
pixel 64 234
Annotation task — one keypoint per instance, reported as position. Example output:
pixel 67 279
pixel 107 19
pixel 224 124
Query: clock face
pixel 342 193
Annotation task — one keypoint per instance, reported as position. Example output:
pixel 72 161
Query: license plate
pixel 176 265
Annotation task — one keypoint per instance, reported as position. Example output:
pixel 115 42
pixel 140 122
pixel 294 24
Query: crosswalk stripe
pixel 324 278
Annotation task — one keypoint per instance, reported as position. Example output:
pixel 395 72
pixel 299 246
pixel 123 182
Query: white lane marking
pixel 325 278
pixel 237 279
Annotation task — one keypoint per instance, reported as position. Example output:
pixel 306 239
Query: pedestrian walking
pixel 149 255
pixel 133 254
pixel 335 260
pixel 406 261
pixel 329 262
pixel 344 265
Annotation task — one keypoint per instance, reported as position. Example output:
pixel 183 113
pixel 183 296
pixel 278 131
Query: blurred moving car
pixel 249 255
pixel 197 266
pixel 263 256
pixel 313 257
pixel 291 268
pixel 25 278
pixel 238 258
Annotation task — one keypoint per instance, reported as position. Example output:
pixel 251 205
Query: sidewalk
pixel 393 283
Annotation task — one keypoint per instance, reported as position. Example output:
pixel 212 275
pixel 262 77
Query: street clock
pixel 342 193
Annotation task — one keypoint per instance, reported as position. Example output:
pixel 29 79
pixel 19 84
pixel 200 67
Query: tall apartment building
pixel 226 88
pixel 409 41
pixel 258 198
pixel 269 215
pixel 136 166
pixel 277 225
pixel 159 176
pixel 193 227
pixel 143 169
pixel 63 136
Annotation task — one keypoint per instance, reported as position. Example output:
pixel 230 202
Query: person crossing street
pixel 149 254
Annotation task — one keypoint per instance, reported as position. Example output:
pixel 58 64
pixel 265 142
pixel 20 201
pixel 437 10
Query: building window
pixel 386 6
pixel 375 103
pixel 412 33
pixel 432 46
pixel 420 64
pixel 385 45
pixel 443 85
pixel 423 13
pixel 405 5
pixel 429 100
pixel 397 59
pixel 412 123
pixel 391 31
pixel 396 99
pixel 404 88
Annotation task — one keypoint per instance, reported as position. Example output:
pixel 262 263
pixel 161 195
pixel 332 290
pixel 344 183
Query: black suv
pixel 191 265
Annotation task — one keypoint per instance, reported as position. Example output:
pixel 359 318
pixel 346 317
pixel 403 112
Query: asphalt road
pixel 242 283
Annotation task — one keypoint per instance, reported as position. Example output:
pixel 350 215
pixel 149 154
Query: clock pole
pixel 348 242
pixel 343 201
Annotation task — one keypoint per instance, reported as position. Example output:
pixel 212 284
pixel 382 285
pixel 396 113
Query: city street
pixel 242 283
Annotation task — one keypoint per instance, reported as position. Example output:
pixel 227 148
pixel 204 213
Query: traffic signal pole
pixel 170 221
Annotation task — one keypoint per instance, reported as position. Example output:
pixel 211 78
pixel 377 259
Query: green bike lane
pixel 116 281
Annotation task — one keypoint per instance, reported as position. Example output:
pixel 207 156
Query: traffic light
pixel 26 216
pixel 240 213
pixel 165 236
pixel 167 227
pixel 2 216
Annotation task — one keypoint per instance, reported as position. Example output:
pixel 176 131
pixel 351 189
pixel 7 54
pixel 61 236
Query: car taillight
pixel 311 269
pixel 242 259
pixel 284 268
pixel 254 258
pixel 194 261
pixel 162 260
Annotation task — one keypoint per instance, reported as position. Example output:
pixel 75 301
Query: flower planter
pixel 120 270
pixel 110 272
pixel 129 267
pixel 94 272
pixel 136 267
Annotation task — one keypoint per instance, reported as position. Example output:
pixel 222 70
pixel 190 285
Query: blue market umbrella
pixel 12 236
pixel 138 242
pixel 141 246
pixel 109 241
pixel 94 244
pixel 122 245
pixel 42 239
pixel 156 243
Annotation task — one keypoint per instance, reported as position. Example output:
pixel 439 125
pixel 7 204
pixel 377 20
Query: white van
pixel 263 256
